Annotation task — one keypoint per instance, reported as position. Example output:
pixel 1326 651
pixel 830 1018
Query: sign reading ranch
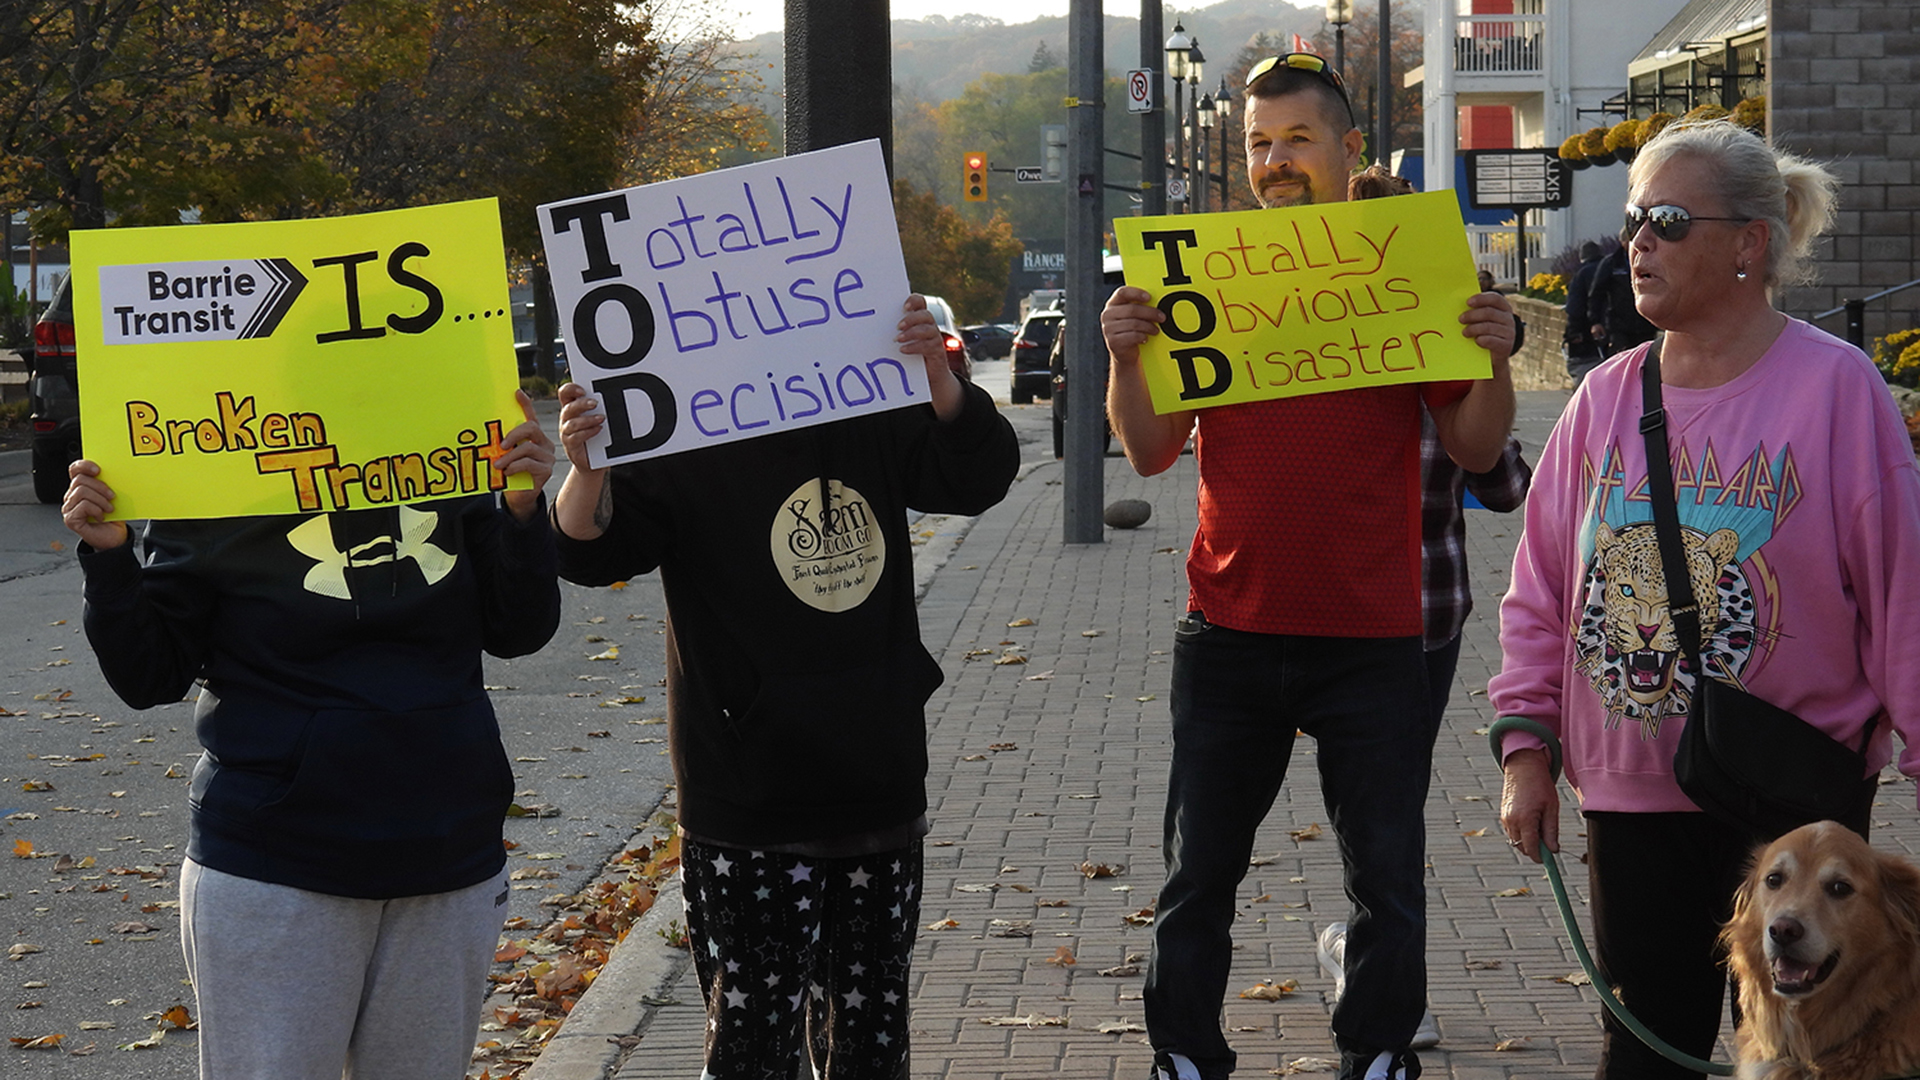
pixel 1281 303
pixel 296 366
pixel 734 304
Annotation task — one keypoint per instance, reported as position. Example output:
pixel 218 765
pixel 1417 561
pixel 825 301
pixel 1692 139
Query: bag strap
pixel 1666 524
pixel 1666 516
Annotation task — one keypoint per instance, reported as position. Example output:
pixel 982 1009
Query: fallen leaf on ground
pixel 1050 903
pixel 1010 928
pixel 1521 891
pixel 944 924
pixel 180 1018
pixel 1576 978
pixel 1143 917
pixel 1033 1020
pixel 147 1043
pixel 1305 1065
pixel 1101 870
pixel 1062 957
pixel 974 757
pixel 1518 1042
pixel 1311 832
pixel 133 928
pixel 96 1025
pixel 1002 747
pixel 36 785
pixel 1120 971
pixel 1122 1027
pixel 1017 623
pixel 43 1042
pixel 22 949
pixel 1484 965
pixel 1269 991
pixel 1475 833
pixel 612 653
pixel 1009 658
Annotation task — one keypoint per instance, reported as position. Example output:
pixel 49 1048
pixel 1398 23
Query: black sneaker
pixel 1380 1065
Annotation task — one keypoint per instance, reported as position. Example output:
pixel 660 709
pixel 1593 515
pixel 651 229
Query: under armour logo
pixel 314 539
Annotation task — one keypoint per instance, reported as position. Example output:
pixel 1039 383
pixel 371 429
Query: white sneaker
pixel 1168 1065
pixel 1427 1035
pixel 1391 1066
pixel 1333 956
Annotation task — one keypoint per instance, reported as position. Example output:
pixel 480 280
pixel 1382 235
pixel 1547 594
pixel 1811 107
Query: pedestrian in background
pixel 1798 506
pixel 345 882
pixel 796 695
pixel 1581 346
pixel 1304 613
pixel 1615 323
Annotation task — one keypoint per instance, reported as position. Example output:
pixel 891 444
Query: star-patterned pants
pixel 802 958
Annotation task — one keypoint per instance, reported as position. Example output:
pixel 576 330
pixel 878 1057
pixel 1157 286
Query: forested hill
pixel 936 58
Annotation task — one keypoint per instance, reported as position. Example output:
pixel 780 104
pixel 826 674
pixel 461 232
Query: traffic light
pixel 975 185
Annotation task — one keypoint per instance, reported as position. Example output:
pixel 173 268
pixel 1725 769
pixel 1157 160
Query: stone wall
pixel 1539 364
pixel 1843 87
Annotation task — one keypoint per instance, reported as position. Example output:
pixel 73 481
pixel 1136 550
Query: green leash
pixel 1607 996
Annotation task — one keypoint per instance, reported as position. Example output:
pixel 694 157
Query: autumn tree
pixel 1407 52
pixel 697 110
pixel 105 102
pixel 950 257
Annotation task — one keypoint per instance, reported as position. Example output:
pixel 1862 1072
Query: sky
pixel 760 16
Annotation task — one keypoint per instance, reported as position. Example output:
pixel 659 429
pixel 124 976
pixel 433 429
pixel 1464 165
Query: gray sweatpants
pixel 298 985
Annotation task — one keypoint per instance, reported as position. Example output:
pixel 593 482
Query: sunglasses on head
pixel 1670 223
pixel 1311 63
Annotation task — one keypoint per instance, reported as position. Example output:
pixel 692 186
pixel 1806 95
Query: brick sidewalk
pixel 1041 767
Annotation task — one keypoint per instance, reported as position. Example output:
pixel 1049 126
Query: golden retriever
pixel 1825 940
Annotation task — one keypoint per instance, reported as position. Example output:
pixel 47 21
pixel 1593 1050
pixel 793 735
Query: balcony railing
pixel 1499 44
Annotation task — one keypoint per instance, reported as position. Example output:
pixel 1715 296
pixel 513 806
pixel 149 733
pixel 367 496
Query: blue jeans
pixel 1237 698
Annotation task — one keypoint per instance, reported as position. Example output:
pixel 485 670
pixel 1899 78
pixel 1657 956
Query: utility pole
pixel 1083 490
pixel 1153 122
pixel 831 102
pixel 1383 141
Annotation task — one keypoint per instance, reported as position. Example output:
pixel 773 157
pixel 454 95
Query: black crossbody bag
pixel 1748 763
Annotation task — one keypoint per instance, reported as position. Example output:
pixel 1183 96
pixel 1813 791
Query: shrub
pixel 1898 357
pixel 1549 287
pixel 1571 150
pixel 1653 125
pixel 1594 142
pixel 1752 115
pixel 1701 113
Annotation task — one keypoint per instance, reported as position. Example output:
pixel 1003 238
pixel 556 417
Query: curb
pixel 604 1027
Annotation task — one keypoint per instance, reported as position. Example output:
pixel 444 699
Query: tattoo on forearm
pixel 603 510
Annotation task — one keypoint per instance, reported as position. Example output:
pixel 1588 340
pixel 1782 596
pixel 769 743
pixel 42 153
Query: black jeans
pixel 1237 698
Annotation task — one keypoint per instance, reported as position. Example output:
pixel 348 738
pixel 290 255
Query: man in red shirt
pixel 1304 612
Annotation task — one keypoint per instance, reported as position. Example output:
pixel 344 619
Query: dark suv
pixel 1030 347
pixel 53 393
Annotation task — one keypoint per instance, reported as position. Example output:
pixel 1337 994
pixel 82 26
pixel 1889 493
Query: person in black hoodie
pixel 796 694
pixel 345 881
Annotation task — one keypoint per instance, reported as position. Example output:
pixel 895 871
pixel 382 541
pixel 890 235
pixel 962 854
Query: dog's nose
pixel 1786 930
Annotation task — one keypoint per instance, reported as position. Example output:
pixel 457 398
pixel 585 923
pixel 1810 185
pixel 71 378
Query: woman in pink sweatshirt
pixel 1799 506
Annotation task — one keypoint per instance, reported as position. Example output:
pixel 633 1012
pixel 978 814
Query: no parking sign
pixel 1140 90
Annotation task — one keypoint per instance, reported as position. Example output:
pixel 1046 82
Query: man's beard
pixel 1295 191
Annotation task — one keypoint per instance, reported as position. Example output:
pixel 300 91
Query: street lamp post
pixel 1196 67
pixel 1177 47
pixel 1203 175
pixel 1223 112
pixel 1340 13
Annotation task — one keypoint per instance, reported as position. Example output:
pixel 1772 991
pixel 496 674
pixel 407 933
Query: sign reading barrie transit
pixel 734 304
pixel 1281 303
pixel 295 366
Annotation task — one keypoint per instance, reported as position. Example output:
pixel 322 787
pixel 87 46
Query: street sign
pixel 1029 174
pixel 1518 179
pixel 1176 190
pixel 1140 90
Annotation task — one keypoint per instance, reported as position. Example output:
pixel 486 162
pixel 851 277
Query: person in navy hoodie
pixel 344 884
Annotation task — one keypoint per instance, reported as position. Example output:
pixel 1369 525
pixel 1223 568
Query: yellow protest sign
pixel 1281 303
pixel 295 366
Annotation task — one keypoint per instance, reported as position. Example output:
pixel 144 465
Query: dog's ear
pixel 1740 936
pixel 1900 885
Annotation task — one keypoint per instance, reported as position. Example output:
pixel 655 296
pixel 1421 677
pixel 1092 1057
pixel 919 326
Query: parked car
pixel 1057 378
pixel 957 358
pixel 1030 376
pixel 988 341
pixel 524 354
pixel 53 396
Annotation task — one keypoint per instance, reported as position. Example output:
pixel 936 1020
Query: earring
pixel 1741 273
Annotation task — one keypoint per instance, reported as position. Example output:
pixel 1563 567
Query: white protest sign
pixel 734 304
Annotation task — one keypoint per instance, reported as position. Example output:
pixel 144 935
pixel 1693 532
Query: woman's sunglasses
pixel 1670 223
